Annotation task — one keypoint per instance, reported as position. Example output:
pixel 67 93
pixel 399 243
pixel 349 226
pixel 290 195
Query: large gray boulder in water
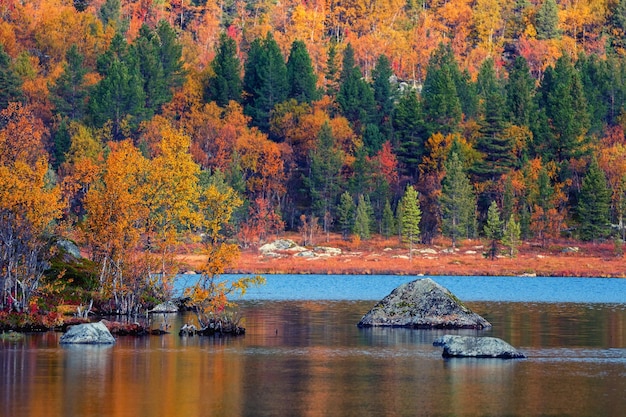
pixel 476 347
pixel 88 333
pixel 423 304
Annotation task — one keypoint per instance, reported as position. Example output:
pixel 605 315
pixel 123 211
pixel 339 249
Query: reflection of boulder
pixel 88 333
pixel 476 347
pixel 422 304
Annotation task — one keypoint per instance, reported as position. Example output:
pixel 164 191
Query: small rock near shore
pixel 476 347
pixel 88 333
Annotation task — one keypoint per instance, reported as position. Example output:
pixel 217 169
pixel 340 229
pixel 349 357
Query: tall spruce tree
pixel 493 229
pixel 225 85
pixel 547 20
pixel 492 143
pixel 388 223
pixel 170 55
pixel 355 96
pixel 119 96
pixel 411 217
pixel 383 95
pixel 146 53
pixel 332 71
pixel 300 75
pixel 496 148
pixel 598 86
pixel 62 141
pixel 440 99
pixel 511 236
pixel 265 81
pixel 520 90
pixel 324 179
pixel 362 219
pixel 618 24
pixel 566 120
pixel 345 214
pixel 410 133
pixel 458 203
pixel 594 204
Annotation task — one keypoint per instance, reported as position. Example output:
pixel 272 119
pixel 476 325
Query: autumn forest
pixel 131 127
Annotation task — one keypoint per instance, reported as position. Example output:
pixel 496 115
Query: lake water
pixel 303 355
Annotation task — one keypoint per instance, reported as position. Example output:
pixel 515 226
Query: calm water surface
pixel 304 356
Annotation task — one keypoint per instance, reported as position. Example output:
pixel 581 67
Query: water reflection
pixel 310 359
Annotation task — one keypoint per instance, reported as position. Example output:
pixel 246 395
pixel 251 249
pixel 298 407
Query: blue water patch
pixel 467 288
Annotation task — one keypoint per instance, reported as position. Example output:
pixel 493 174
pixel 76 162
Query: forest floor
pixel 388 256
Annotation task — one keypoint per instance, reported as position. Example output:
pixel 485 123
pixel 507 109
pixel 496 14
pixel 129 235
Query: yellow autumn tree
pixel 210 295
pixel 116 213
pixel 29 206
pixel 169 194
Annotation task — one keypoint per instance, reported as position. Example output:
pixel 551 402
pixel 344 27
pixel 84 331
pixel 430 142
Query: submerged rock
pixel 422 304
pixel 88 333
pixel 476 347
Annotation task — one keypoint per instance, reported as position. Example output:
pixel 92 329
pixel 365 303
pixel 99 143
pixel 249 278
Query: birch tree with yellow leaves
pixel 29 206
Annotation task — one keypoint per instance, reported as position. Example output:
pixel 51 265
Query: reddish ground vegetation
pixel 379 256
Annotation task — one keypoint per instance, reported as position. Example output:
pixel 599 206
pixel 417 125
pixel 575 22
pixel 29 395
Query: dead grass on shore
pixel 387 256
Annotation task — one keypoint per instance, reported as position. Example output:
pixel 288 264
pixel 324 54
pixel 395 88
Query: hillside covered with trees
pixel 134 126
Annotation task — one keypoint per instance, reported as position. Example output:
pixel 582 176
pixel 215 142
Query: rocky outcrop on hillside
pixel 476 347
pixel 423 304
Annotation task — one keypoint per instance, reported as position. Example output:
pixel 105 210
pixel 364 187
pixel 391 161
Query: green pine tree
pixel 599 87
pixel 226 84
pixel 265 81
pixel 332 71
pixel 68 92
pixel 110 14
pixel 170 55
pixel 324 179
pixel 388 223
pixel 345 214
pixel 383 95
pixel 355 96
pixel 411 217
pixel 547 20
pixel 410 133
pixel 300 75
pixel 494 146
pixel 145 51
pixel 519 92
pixel 62 142
pixel 362 219
pixel 594 204
pixel 511 236
pixel 458 203
pixel 119 97
pixel 441 104
pixel 565 118
pixel 493 228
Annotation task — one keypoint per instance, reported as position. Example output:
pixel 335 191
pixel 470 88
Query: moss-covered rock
pixel 422 304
